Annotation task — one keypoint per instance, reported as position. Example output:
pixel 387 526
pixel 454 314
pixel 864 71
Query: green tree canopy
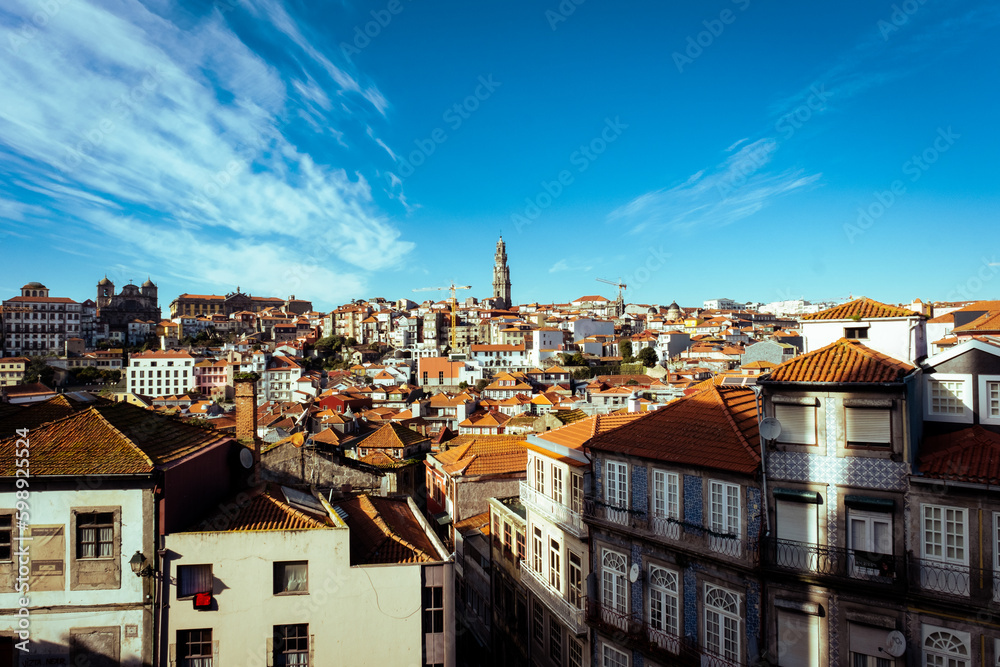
pixel 625 350
pixel 648 357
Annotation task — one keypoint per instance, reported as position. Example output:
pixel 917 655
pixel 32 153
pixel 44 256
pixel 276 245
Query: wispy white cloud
pixel 564 265
pixel 737 187
pixel 174 143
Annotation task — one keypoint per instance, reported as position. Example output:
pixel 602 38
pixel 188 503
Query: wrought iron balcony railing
pixel 556 511
pixel 825 561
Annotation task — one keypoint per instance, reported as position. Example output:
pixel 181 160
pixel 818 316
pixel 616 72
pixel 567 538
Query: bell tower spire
pixel 501 275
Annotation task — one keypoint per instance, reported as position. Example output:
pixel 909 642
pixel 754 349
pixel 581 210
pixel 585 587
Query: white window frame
pixel 725 517
pixel 952 573
pixel 931 415
pixel 612 657
pixel 614 590
pixel 720 622
pixel 558 490
pixel 984 399
pixel 555 565
pixel 869 519
pixel 539 475
pixel 927 554
pixel 664 603
pixel 936 656
pixel 666 494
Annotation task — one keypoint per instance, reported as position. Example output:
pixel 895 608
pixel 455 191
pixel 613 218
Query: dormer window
pixel 856 333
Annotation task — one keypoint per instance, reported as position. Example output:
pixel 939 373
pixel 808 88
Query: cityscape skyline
pixel 352 151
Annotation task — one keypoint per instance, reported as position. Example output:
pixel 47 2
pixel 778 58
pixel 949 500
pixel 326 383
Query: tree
pixel 463 385
pixel 625 349
pixel 38 370
pixel 482 384
pixel 648 357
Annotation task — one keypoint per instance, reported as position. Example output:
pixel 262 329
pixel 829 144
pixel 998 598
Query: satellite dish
pixel 770 428
pixel 633 574
pixel 895 644
pixel 246 458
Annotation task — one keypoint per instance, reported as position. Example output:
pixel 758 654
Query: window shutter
pixel 798 639
pixel 798 424
pixel 215 652
pixel 172 653
pixel 868 425
pixel 796 522
pixel 270 652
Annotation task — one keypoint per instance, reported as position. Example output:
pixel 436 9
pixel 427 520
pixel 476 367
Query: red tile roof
pixel 988 322
pixel 841 361
pixel 969 455
pixel 385 530
pixel 392 436
pixel 485 455
pixel 713 428
pixel 111 439
pixel 863 308
pixel 264 512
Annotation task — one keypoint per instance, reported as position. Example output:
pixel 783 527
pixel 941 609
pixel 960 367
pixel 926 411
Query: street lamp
pixel 140 566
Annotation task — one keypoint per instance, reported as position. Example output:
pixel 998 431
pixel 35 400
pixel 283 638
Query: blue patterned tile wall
pixel 637 584
pixel 753 617
pixel 640 489
pixel 692 501
pixel 637 659
pixel 690 604
pixel 753 513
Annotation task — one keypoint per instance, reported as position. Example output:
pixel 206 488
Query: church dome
pixel 148 283
pixel 104 281
pixel 34 285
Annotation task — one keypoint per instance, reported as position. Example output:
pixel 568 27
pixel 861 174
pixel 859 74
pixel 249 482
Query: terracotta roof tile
pixel 969 455
pixel 577 434
pixel 384 530
pixel 713 428
pixel 264 512
pixel 485 455
pixel 863 308
pixel 841 361
pixel 988 322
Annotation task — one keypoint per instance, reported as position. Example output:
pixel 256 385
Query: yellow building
pixel 12 370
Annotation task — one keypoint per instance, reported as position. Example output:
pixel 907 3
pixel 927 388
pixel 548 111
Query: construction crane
pixel 620 303
pixel 3 331
pixel 454 316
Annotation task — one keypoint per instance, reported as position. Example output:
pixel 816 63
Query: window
pixel 868 426
pixel 6 534
pixel 95 535
pixel 291 645
pixel 613 591
pixel 575 580
pixel 869 534
pixel 507 541
pixel 555 565
pixel 193 579
pixel 945 648
pixel 666 494
pixel 536 550
pixel 949 397
pixel 519 536
pixel 291 577
pixel 557 484
pixel 537 622
pixel 612 657
pixel 864 660
pixel 798 423
pixel 798 639
pixel 856 333
pixel 539 475
pixel 555 642
pixel 434 609
pixel 664 605
pixel 577 492
pixel 944 549
pixel 575 652
pixel 722 622
pixel 194 648
pixel 989 399
pixel 725 515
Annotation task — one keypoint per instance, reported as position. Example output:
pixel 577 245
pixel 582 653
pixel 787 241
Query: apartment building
pixel 35 323
pixel 675 520
pixel 161 373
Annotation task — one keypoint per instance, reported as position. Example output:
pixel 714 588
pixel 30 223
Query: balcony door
pixel 869 541
pixel 798 533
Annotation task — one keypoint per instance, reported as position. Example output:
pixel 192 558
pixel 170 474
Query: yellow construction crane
pixel 454 316
pixel 620 303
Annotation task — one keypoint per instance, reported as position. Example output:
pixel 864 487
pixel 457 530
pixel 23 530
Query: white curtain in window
pixel 295 577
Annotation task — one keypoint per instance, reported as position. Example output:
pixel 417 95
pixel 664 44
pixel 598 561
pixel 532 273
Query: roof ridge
pixel 127 439
pixel 386 529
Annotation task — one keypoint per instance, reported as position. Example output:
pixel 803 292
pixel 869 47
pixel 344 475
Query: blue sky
pixel 340 150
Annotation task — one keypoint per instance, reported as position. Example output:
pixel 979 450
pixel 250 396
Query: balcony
pixel 953 583
pixel 568 613
pixel 675 533
pixel 570 521
pixel 823 562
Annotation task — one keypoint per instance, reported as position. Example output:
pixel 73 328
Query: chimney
pixel 246 419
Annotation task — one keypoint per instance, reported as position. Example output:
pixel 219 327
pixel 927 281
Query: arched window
pixel 614 592
pixel 945 649
pixel 663 600
pixel 722 622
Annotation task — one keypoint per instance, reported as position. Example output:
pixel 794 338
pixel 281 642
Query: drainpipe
pixel 763 462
